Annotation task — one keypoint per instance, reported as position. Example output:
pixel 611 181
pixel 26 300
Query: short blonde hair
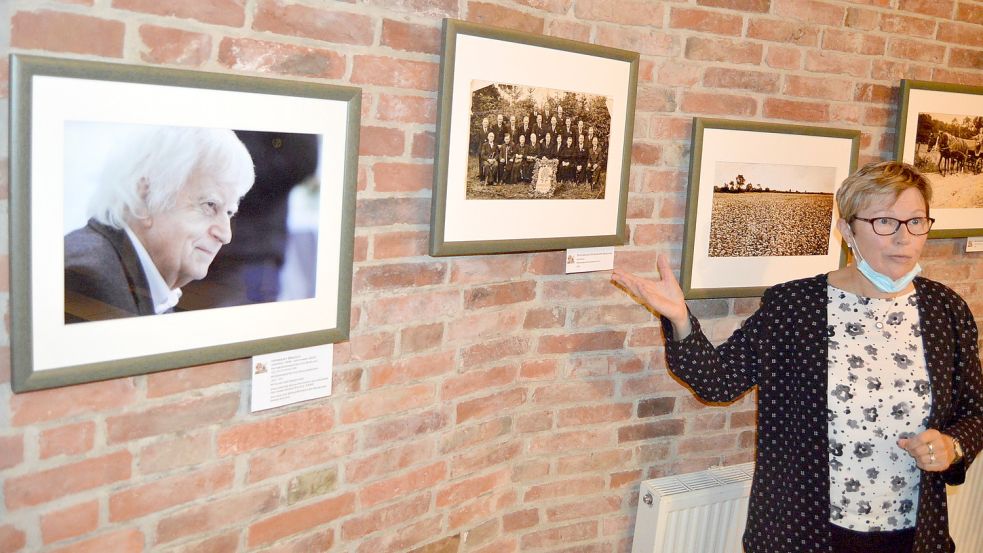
pixel 877 180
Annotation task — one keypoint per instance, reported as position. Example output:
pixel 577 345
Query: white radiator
pixel 697 512
pixel 706 511
pixel 965 508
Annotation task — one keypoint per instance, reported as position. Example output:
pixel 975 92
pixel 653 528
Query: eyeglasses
pixel 886 226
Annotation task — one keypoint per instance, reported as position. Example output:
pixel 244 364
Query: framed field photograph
pixel 940 132
pixel 164 218
pixel 534 142
pixel 760 209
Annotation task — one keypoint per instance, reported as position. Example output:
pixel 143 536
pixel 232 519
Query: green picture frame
pixel 50 99
pixel 760 207
pixel 486 70
pixel 933 135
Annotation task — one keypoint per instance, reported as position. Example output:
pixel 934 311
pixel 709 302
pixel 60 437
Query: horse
pixel 953 151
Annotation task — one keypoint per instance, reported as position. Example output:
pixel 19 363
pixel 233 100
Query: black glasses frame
pixel 897 225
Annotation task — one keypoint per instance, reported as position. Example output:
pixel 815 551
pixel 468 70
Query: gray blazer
pixel 103 276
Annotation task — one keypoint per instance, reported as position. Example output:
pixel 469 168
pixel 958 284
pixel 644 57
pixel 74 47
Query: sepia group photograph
pixel 949 150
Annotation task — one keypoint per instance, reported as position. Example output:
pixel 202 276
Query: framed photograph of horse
pixel 534 138
pixel 760 207
pixel 163 218
pixel 940 131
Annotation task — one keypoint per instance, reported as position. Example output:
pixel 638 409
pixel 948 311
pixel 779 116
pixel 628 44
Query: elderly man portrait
pixel 158 217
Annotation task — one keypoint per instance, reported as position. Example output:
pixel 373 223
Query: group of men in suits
pixel 508 150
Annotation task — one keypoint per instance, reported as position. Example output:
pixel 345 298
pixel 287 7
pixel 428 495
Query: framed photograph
pixel 163 218
pixel 760 209
pixel 534 142
pixel 940 132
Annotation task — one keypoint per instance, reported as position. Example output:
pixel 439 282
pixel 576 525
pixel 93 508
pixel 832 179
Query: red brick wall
pixel 484 404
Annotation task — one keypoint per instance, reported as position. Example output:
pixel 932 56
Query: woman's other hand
pixel 663 295
pixel 932 450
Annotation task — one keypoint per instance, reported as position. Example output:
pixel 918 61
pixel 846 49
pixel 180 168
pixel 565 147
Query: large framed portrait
pixel 760 209
pixel 163 218
pixel 940 132
pixel 534 142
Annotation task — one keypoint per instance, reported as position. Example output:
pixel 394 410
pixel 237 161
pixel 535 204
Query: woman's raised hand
pixel 663 295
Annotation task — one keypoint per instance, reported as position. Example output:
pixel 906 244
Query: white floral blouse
pixel 878 391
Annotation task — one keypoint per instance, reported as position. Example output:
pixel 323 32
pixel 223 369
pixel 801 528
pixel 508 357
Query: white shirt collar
pixel 163 297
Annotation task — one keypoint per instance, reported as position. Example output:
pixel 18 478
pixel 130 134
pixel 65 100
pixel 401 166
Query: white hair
pixel 164 159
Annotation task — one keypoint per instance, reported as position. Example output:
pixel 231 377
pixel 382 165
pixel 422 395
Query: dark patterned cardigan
pixel 782 349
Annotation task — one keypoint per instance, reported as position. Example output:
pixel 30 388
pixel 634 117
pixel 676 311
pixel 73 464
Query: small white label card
pixel 974 244
pixel 291 376
pixel 583 260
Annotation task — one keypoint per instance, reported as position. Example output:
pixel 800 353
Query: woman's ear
pixel 845 232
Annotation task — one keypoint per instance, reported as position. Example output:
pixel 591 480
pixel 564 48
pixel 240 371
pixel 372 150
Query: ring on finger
pixel 931 448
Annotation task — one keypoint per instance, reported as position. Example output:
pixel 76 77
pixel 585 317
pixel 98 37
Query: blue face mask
pixel 883 282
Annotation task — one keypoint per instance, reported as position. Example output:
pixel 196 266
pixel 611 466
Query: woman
pixel 870 393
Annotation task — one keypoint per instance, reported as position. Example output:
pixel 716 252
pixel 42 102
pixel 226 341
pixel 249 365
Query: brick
pixel 487 269
pixel 406 109
pixel 386 518
pixel 783 57
pixel 161 494
pixel 404 538
pixel 595 462
pixel 424 145
pixel 540 369
pixel 473 327
pixel 72 439
pixel 718 104
pixel 408 427
pixel 794 110
pixel 783 31
pixel 417 308
pixel 311 484
pixel 647 431
pixel 220 513
pixel 388 245
pixel 706 21
pixel 531 471
pixel 403 485
pixel 181 451
pixel 551 263
pixel 504 401
pixel 576 440
pixel 296 456
pixel 392 211
pixel 11 451
pixel 610 315
pixel 585 485
pixel 969 13
pixel 420 338
pixel 469 436
pixel 494 350
pixel 572 30
pixel 728 78
pixel 449 544
pixel 386 401
pixel 836 63
pixel 399 276
pixel 605 365
pixel 410 369
pixel 725 50
pixel 410 37
pixel 761 6
pixel 129 540
pixel 173 417
pixel 279 17
pixel 196 378
pixel 574 342
pixel 583 509
pixel 497 295
pixel 645 40
pixel 476 380
pixel 66 32
pixel 917 50
pixel 275 431
pixel 534 422
pixel 258 56
pixel 221 542
pixel 500 16
pixel 12 539
pixel 402 177
pixel 479 459
pixel 645 154
pixel 897 24
pixel 459 492
pixel 969 59
pixel 594 414
pixel 823 88
pixel 63 403
pixel 546 317
pixel 70 522
pixel 520 520
pixel 47 485
pixel 862 19
pixel 622 12
pixel 381 141
pixel 372 346
pixel 655 407
pixel 443 8
pixel 164 45
pixel 219 12
pixel 290 522
pixel 935 8
pixel 563 535
pixel 394 72
pixel 807 10
pixel 388 461
pixel 707 444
